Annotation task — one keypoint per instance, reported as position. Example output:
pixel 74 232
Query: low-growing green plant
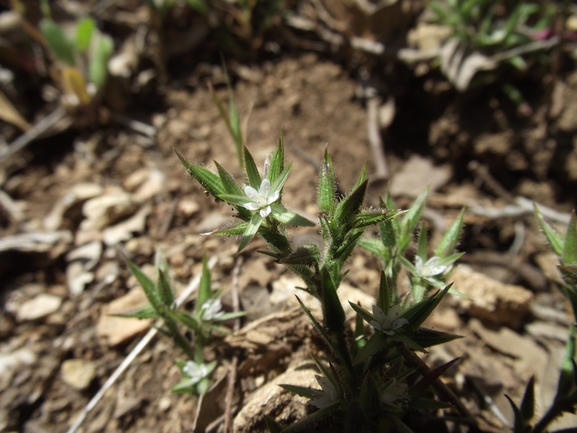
pixel 487 35
pixel 494 26
pixel 565 400
pixel 203 321
pixel 369 383
pixel 81 60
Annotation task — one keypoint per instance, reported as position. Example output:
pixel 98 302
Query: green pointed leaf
pixel 385 296
pixel 230 316
pixel 372 245
pixel 334 315
pixel 422 243
pixel 349 207
pixel 205 287
pixel 98 65
pixel 450 259
pixel 518 426
pixel 306 255
pixel 250 232
pixel 411 220
pixel 566 379
pixel 402 338
pixel 451 237
pixel 375 344
pixel 227 181
pixel 570 249
pixel 359 335
pixel 416 314
pixel 184 386
pixel 277 161
pixel 285 216
pixel 187 320
pixel 364 314
pixel 144 313
pixel 233 230
pixel 370 399
pixel 362 177
pixel 325 372
pixel 373 217
pixel 388 233
pixel 58 41
pixel 276 241
pixel 252 173
pixel 164 289
pixel 527 409
pixel 327 185
pixel 209 181
pixel 344 251
pixel 429 337
pixel 84 31
pixel 301 390
pixel 554 238
pixel 279 182
pixel 426 381
pixel 147 285
pixel 235 200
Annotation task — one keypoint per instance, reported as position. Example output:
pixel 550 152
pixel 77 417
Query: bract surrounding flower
pixel 325 397
pixel 394 392
pixel 261 199
pixel 196 372
pixel 429 269
pixel 212 309
pixel 388 322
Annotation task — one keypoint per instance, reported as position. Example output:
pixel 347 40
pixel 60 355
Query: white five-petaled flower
pixel 395 391
pixel 196 372
pixel 325 397
pixel 429 269
pixel 388 322
pixel 261 199
pixel 212 309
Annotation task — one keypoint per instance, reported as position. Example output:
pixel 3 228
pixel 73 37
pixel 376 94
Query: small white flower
pixel 212 309
pixel 429 269
pixel 395 391
pixel 261 199
pixel 195 371
pixel 325 397
pixel 388 322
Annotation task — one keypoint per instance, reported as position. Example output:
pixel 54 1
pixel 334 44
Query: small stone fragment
pixel 105 210
pixel 38 307
pixel 117 330
pixel 491 300
pixel 78 373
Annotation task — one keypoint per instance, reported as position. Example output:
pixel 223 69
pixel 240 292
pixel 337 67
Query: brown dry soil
pixel 314 102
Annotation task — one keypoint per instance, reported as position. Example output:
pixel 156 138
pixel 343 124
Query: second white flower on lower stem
pixel 325 397
pixel 390 322
pixel 196 372
pixel 261 199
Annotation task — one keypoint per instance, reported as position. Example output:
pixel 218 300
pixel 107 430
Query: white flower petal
pixel 265 211
pixel 251 192
pixel 273 197
pixel 264 188
pixel 418 264
pixel 251 206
